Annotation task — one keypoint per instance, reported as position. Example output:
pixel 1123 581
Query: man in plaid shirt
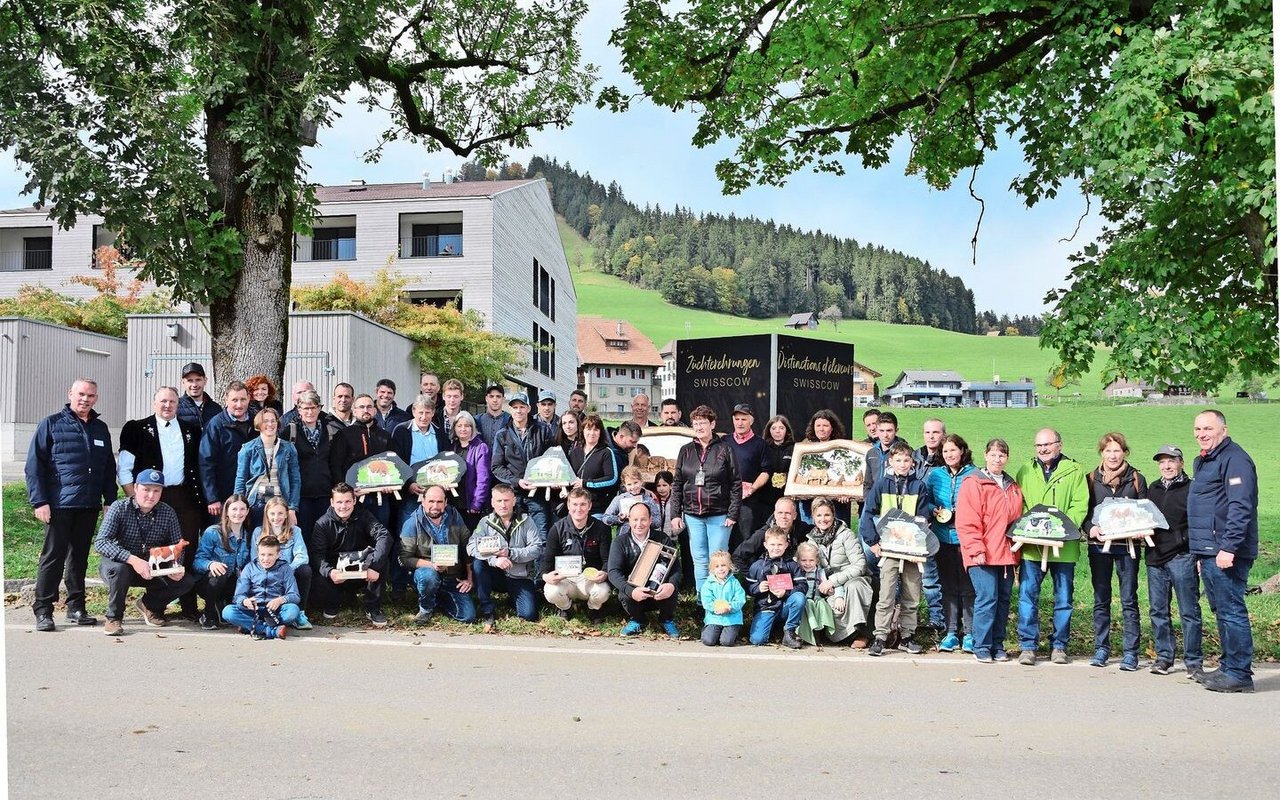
pixel 130 529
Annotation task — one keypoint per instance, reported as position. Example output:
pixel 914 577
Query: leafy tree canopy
pixel 1160 110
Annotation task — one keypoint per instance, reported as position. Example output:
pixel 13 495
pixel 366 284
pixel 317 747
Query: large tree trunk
pixel 250 326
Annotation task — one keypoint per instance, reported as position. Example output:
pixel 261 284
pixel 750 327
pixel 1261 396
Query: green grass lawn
pixel 886 348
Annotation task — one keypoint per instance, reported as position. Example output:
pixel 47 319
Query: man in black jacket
pixel 1171 569
pixel 784 517
pixel 361 439
pixel 195 406
pixel 638 601
pixel 348 529
pixel 171 445
pixel 583 540
pixel 514 446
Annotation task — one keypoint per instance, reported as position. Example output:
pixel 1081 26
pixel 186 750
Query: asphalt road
pixel 181 712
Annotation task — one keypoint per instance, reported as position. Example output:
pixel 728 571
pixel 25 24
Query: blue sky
pixel 648 152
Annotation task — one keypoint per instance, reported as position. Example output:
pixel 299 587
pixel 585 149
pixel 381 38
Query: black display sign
pixel 773 373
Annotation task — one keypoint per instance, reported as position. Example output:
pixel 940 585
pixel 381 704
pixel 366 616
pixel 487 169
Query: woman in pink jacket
pixel 990 502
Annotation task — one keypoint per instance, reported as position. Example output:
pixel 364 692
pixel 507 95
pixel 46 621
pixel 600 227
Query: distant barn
pixel 808 322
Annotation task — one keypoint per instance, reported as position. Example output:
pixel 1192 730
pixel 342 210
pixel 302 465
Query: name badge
pixel 99 443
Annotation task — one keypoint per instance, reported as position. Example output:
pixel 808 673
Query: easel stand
pixel 1128 538
pixel 1045 546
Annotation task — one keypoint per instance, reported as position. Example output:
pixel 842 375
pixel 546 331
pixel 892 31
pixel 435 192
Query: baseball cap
pixel 743 408
pixel 546 394
pixel 495 387
pixel 518 397
pixel 150 477
pixel 193 367
pixel 1167 450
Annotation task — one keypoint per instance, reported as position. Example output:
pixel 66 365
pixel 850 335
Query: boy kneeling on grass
pixel 266 599
pixel 772 602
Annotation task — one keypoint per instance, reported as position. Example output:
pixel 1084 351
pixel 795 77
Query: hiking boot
pixel 1058 656
pixel 789 640
pixel 876 648
pixel 950 643
pixel 150 617
pixel 1028 658
pixel 632 628
pixel 910 645
pixel 1161 667
pixel 114 627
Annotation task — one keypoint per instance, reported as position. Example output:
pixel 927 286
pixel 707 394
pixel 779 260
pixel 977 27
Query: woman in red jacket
pixel 990 502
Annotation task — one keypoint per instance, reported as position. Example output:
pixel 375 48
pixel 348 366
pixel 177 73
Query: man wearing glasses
pixel 1054 480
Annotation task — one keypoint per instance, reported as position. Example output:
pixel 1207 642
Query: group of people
pixel 260 501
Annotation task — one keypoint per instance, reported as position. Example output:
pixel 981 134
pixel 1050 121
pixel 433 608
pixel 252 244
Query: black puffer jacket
pixel 1172 502
pixel 720 492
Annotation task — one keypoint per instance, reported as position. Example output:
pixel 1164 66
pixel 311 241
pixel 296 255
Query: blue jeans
pixel 706 535
pixel 488 579
pixel 1031 576
pixel 433 589
pixel 792 609
pixel 933 592
pixel 243 618
pixel 1101 565
pixel 873 561
pixel 993 587
pixel 1176 576
pixel 539 510
pixel 1225 589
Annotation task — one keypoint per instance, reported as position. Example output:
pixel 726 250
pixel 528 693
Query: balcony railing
pixel 444 245
pixel 20 260
pixel 327 250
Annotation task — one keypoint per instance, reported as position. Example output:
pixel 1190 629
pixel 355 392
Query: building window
pixel 333 244
pixel 37 252
pixel 622 391
pixel 604 392
pixel 544 291
pixel 543 356
pixel 622 409
pixel 430 241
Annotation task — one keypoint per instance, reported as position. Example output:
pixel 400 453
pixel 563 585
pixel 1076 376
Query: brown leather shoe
pixel 148 616
pixel 114 627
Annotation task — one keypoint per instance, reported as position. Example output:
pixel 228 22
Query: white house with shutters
pixel 491 246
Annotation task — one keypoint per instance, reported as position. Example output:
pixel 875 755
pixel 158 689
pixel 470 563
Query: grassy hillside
pixel 881 346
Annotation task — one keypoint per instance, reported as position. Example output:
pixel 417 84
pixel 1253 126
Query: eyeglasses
pixel 1042 445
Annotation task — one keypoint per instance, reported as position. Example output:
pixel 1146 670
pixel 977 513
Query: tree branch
pixel 995 17
pixel 731 55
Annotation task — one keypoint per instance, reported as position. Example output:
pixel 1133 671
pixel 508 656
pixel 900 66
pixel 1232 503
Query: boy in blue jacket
pixel 770 603
pixel 902 489
pixel 266 600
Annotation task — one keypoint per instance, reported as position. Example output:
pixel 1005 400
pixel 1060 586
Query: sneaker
pixel 1099 657
pixel 422 617
pixel 1058 656
pixel 670 629
pixel 595 615
pixel 304 624
pixel 1129 663
pixel 949 644
pixel 967 646
pixel 208 623
pixel 1161 667
pixel 150 617
pixel 114 627
pixel 1028 658
pixel 257 634
pixel 565 614
pixel 909 645
pixel 789 640
pixel 983 658
pixel 632 628
pixel 876 648
pixel 1001 656
pixel 278 632
pixel 330 613
pixel 377 618
pixel 1195 673
pixel 1219 681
